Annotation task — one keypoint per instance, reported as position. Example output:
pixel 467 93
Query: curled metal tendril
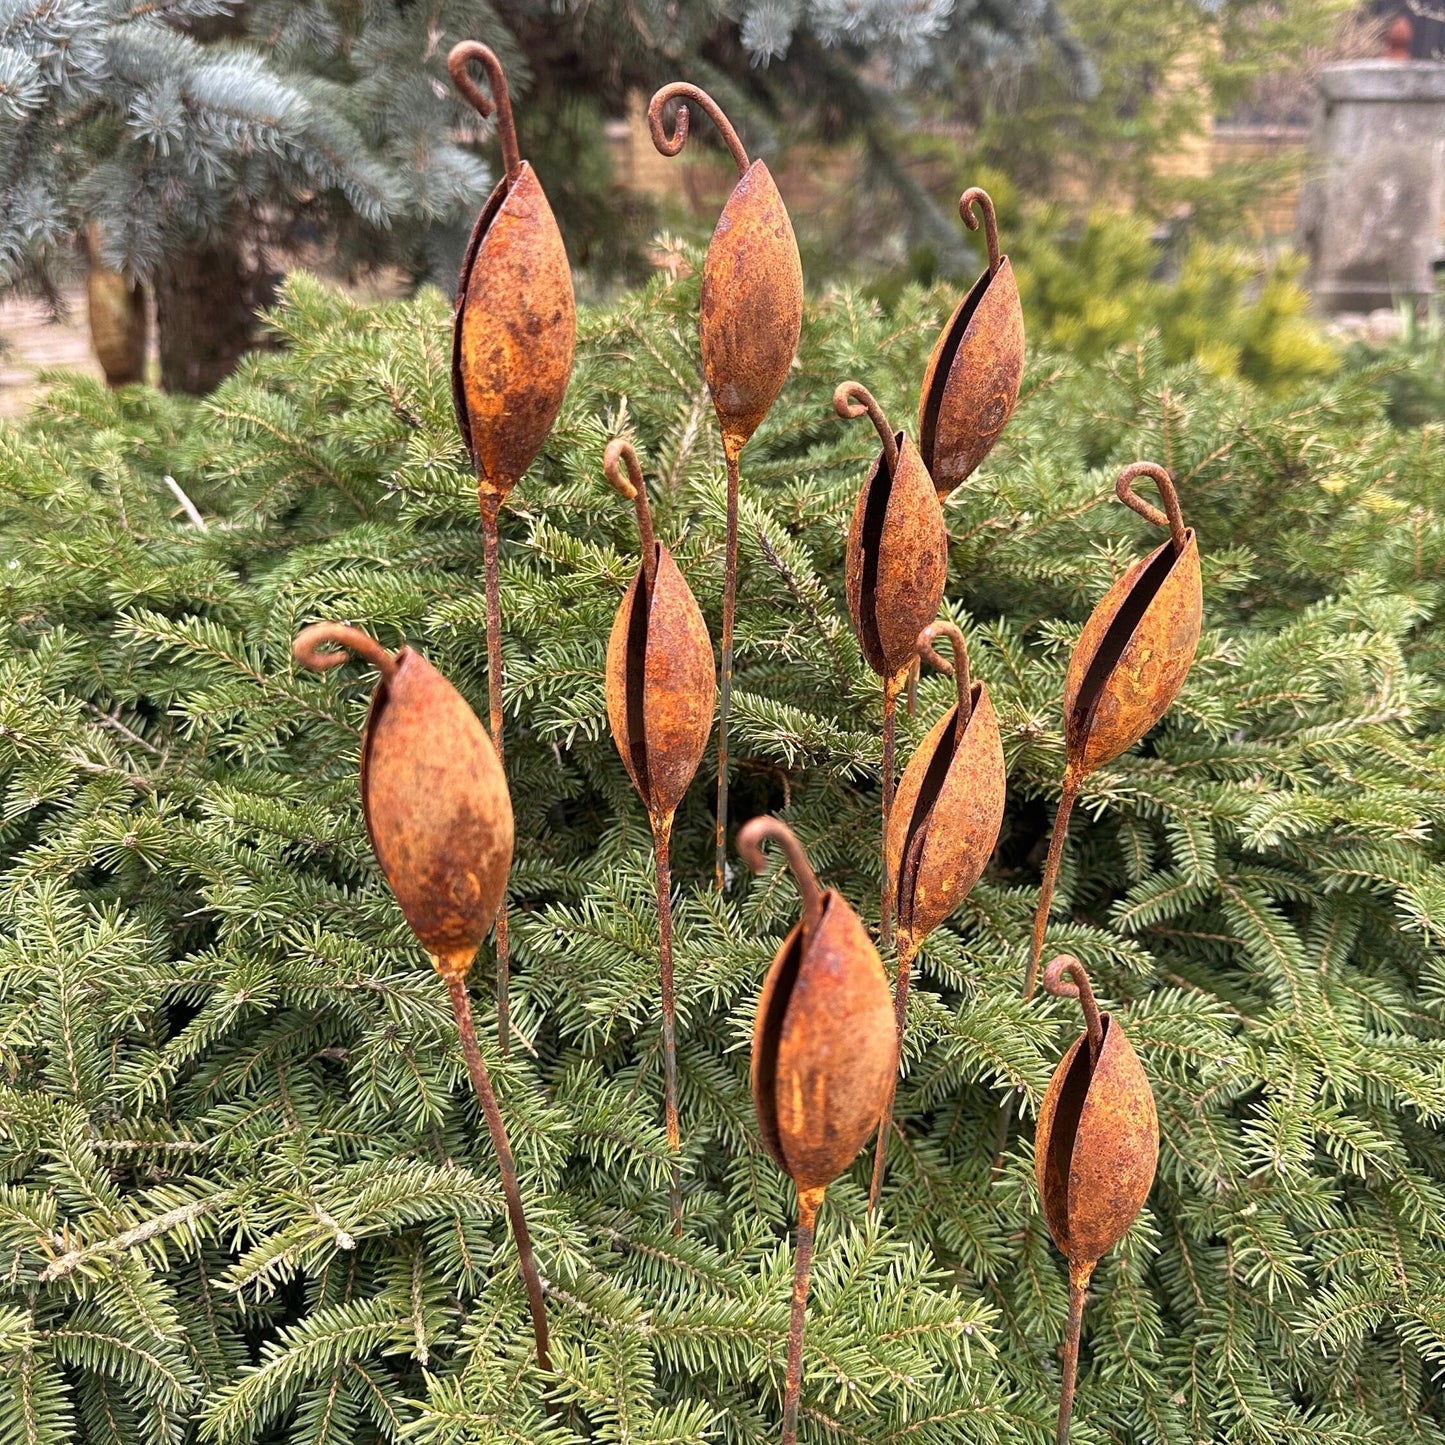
pixel 957 669
pixel 622 454
pixel 1172 517
pixel 990 221
pixel 307 649
pixel 671 145
pixel 459 62
pixel 853 399
pixel 1057 984
pixel 751 837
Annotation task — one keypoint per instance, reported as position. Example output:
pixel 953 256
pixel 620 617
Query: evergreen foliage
pixel 245 1195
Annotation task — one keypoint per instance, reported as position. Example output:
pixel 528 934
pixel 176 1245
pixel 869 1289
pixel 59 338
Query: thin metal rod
pixel 482 1083
pixel 808 1202
pixel 1067 797
pixel 853 399
pixel 622 454
pixel 1078 1292
pixel 490 505
pixel 751 837
pixel 891 688
pixel 990 221
pixel 310 641
pixel 958 669
pixel 1057 984
pixel 1171 517
pixel 907 952
pixel 725 688
pixel 661 844
pixel 671 145
pixel 460 58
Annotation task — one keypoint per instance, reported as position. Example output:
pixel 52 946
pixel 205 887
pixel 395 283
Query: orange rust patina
pixel 516 322
pixel 823 1055
pixel 1129 664
pixel 1095 1152
pixel 971 385
pixel 895 566
pixel 942 829
pixel 437 809
pixel 660 695
pixel 440 822
pixel 751 314
pixel 513 337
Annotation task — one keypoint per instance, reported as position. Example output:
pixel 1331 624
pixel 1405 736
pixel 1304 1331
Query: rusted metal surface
pixel 439 818
pixel 895 567
pixel 1095 1151
pixel 942 829
pixel 949 805
pixel 823 1055
pixel 516 320
pixel 513 338
pixel 897 556
pixel 436 803
pixel 971 385
pixel 660 695
pixel 751 314
pixel 1137 647
pixel 1129 664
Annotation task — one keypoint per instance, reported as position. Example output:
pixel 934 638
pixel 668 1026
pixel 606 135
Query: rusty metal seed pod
pixel 439 818
pixel 823 1056
pixel 660 695
pixel 895 567
pixel 751 315
pixel 1095 1152
pixel 972 382
pixel 513 337
pixel 1129 664
pixel 942 830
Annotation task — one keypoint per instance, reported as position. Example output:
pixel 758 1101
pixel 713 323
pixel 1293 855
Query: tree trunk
pixel 117 317
pixel 206 302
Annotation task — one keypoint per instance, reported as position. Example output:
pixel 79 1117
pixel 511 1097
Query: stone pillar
pixel 1370 214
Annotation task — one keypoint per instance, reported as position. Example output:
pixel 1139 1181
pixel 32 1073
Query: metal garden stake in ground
pixel 751 315
pixel 1095 1152
pixel 513 337
pixel 1129 664
pixel 895 567
pixel 660 695
pixel 942 830
pixel 972 381
pixel 440 822
pixel 823 1055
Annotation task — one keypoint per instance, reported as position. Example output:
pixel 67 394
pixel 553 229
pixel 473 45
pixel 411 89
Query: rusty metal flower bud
pixel 897 557
pixel 949 805
pixel 516 324
pixel 1129 664
pixel 972 382
pixel 822 1060
pixel 894 571
pixel 660 694
pixel 752 279
pixel 513 338
pixel 1138 645
pixel 660 681
pixel 440 822
pixel 751 317
pixel 437 809
pixel 1095 1152
pixel 942 829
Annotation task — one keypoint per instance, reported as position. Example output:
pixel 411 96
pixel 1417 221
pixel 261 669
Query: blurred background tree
pixel 199 148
